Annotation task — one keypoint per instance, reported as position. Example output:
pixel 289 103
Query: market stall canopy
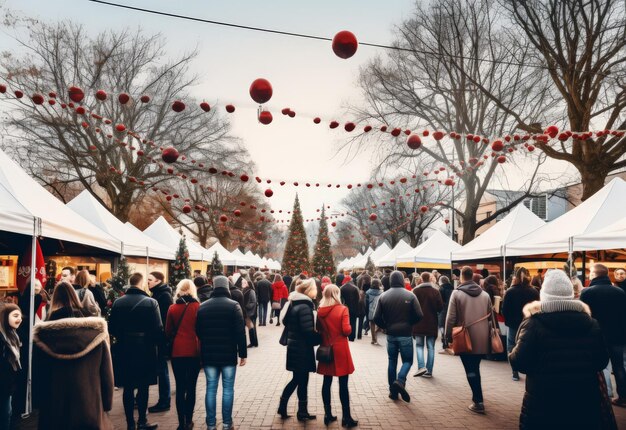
pixel 600 210
pixel 433 253
pixel 389 259
pixel 255 259
pixel 224 254
pixel 610 237
pixel 164 233
pixel 379 252
pixel 519 222
pixel 359 263
pixel 241 259
pixel 22 200
pixel 135 243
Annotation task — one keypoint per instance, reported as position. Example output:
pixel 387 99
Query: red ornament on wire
pixel 345 44
pixel 261 90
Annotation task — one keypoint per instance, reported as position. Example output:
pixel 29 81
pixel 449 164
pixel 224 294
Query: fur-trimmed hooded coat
pixel 75 374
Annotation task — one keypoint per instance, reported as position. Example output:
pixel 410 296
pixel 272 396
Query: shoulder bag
pixel 494 333
pixel 461 341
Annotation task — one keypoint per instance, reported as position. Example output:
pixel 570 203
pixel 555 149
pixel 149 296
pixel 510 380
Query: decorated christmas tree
pixel 216 266
pixel 296 257
pixel 323 262
pixel 118 284
pixel 370 266
pixel 180 268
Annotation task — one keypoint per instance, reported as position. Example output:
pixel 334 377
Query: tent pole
pixel 147 262
pixel 584 266
pixel 31 316
pixel 570 260
pixel 504 263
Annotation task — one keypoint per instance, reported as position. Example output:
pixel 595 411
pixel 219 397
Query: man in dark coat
pixel 620 279
pixel 236 292
pixel 425 331
pixel 264 295
pixel 385 280
pixel 287 279
pixel 608 307
pixel 162 293
pixel 135 323
pixel 203 288
pixel 350 298
pixel 221 330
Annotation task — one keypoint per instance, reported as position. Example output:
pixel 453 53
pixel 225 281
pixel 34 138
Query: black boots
pixel 328 415
pixel 346 420
pixel 282 409
pixel 303 413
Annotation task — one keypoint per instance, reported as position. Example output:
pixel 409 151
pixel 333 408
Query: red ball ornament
pixel 80 110
pixel 261 90
pixel 414 141
pixel 396 132
pixel 291 114
pixel 350 126
pixel 383 128
pixel 178 106
pixel 552 131
pixel 345 44
pixel 223 218
pixel 423 209
pixel 333 124
pixel 120 127
pixel 205 106
pixel 170 155
pixel 186 209
pixel 75 94
pixel 438 135
pixel 497 145
pixel 269 193
pixel 18 94
pixel 317 120
pixel 123 98
pixel 334 224
pixel 373 217
pixel 3 89
pixel 145 99
pixel 244 178
pixel 237 212
pixel 230 108
pixel 501 159
pixel 101 95
pixel 367 128
pixel 447 221
pixel 37 99
pixel 265 117
pixel 449 182
pixel 530 148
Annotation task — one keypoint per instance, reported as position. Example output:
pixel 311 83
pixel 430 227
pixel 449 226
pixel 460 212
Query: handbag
pixel 284 337
pixel 276 306
pixel 461 341
pixel 496 340
pixel 324 353
pixel 170 345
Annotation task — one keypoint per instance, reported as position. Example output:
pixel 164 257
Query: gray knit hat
pixel 220 282
pixel 556 286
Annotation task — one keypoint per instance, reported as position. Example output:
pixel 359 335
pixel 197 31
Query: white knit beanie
pixel 556 286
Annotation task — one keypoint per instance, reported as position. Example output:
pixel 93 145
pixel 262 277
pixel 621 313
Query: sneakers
pixel 620 401
pixel 478 408
pixel 393 396
pixel 427 375
pixel 420 372
pixel 442 351
pixel 515 376
pixel 400 389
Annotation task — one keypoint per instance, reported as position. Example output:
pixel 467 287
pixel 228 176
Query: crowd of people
pixel 566 339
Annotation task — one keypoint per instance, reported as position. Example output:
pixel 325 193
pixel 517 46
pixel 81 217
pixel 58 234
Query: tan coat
pixel 469 303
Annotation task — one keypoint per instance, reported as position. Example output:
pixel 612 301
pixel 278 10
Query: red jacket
pixel 279 291
pixel 186 342
pixel 333 323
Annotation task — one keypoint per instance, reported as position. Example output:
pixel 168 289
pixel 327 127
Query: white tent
pixel 389 259
pixel 224 254
pixel 519 222
pixel 379 252
pixel 612 236
pixel 433 253
pixel 164 233
pixel 134 242
pixel 598 211
pixel 360 262
pixel 241 259
pixel 255 259
pixel 23 200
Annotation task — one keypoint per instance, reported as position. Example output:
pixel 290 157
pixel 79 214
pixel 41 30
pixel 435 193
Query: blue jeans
pixel 262 313
pixel 430 346
pixel 212 374
pixel 5 412
pixel 402 345
pixel 163 373
pixel 511 334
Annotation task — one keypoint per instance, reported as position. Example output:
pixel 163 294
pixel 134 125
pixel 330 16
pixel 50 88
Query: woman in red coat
pixel 280 293
pixel 333 324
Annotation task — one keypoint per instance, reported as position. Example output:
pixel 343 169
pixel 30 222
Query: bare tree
pixel 58 148
pixel 424 84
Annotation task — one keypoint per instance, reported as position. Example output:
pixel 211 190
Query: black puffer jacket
pixel 162 293
pixel 204 292
pixel 264 291
pixel 515 299
pixel 350 298
pixel 561 353
pixel 608 307
pixel 237 295
pixel 221 330
pixel 301 334
pixel 398 310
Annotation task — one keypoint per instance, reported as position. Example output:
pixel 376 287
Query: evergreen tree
pixel 217 268
pixel 323 262
pixel 118 284
pixel 180 268
pixel 296 256
pixel 370 266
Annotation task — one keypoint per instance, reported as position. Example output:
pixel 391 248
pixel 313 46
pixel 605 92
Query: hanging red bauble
pixel 186 209
pixel 285 111
pixel 530 148
pixel 178 106
pixel 75 94
pixel 349 126
pixel 345 44
pixel 37 99
pixel 123 98
pixel 230 108
pixel 145 99
pixel 333 124
pixel 414 141
pixel 205 106
pixel 101 95
pixel 334 224
pixel 423 209
pixel 447 221
pixel 317 120
pixel 261 90
pixel 501 159
pixel 438 135
pixel 170 155
pixel 3 89
pixel 552 131
pixel 52 102
pixel 18 94
pixel 265 117
pixel 373 217
pixel 383 128
pixel 244 178
pixel 237 212
pixel 120 127
pixel 497 145
pixel 291 114
pixel 269 193
pixel 80 110
pixel 367 128
pixel 449 182
pixel 396 132
pixel 223 218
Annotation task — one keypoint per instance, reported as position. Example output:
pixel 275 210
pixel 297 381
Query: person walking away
pixel 65 303
pixel 287 279
pixel 397 311
pixel 75 374
pixel 445 289
pixel 280 293
pixel 366 284
pixel 203 288
pixel 10 320
pixel 333 324
pixel 236 292
pixel 87 300
pixel 250 304
pixel 222 334
pixel 425 331
pixel 180 329
pixel 301 339
pixel 371 300
pixel 162 293
pixel 471 307
pixel 385 280
pixel 515 298
pixel 264 295
pixel 491 285
pixel 608 307
pixel 350 298
pixel 560 349
pixel 135 322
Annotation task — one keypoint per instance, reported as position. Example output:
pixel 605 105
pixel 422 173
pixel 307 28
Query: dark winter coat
pixel 75 374
pixel 135 322
pixel 65 312
pixel 385 281
pixel 180 327
pixel 608 307
pixel 204 292
pixel 468 304
pixel 561 353
pixel 514 301
pixel 398 310
pixel 287 280
pixel 264 291
pixel 621 285
pixel 98 295
pixel 350 298
pixel 333 324
pixel 237 295
pixel 431 304
pixel 221 330
pixel 162 293
pixel 446 291
pixel 8 375
pixel 301 335
pixel 362 305
pixel 250 302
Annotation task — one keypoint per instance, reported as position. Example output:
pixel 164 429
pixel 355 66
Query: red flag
pixel 23 269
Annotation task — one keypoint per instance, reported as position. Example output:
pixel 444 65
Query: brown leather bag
pixel 461 341
pixel 496 341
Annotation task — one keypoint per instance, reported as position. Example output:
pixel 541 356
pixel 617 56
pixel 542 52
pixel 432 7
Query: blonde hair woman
pixel 87 300
pixel 333 324
pixel 180 329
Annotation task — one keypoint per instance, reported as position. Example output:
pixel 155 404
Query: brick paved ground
pixel 437 403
